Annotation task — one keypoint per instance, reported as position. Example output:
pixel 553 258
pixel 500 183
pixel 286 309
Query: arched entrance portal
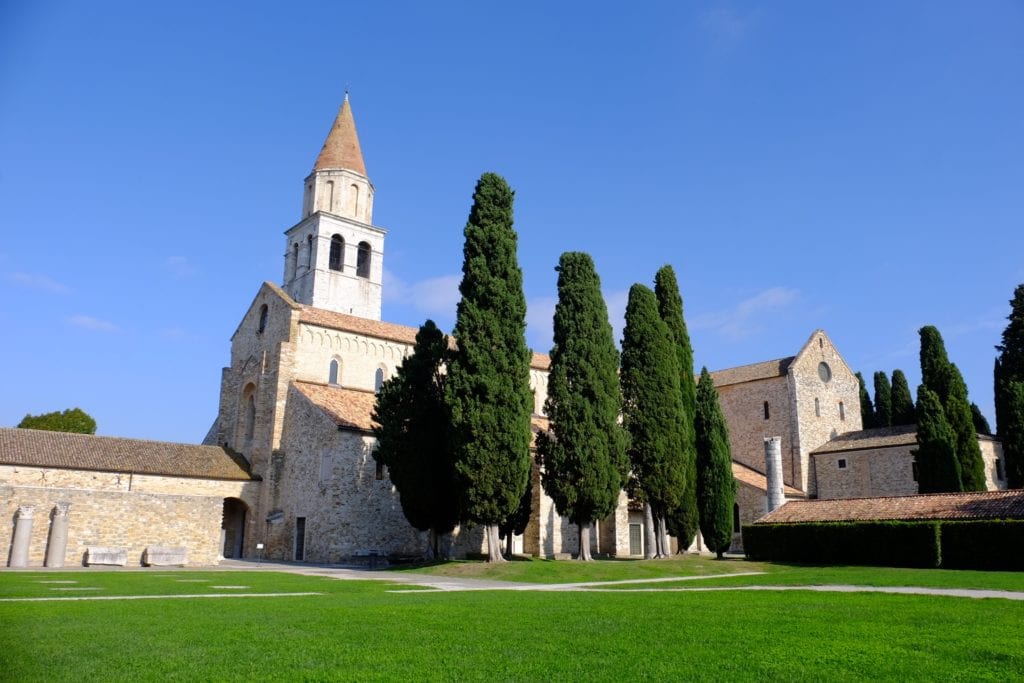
pixel 232 529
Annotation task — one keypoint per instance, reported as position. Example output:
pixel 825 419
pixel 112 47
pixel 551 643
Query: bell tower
pixel 334 255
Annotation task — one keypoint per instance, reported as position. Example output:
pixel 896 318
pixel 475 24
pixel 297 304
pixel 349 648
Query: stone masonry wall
pixel 868 473
pixel 991 451
pixel 743 407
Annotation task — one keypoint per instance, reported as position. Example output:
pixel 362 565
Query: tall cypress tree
pixel 934 362
pixel 903 412
pixel 1009 378
pixel 411 426
pixel 867 411
pixel 937 465
pixel 584 454
pixel 981 425
pixel 488 386
pixel 716 488
pixel 652 407
pixel 883 400
pixel 684 521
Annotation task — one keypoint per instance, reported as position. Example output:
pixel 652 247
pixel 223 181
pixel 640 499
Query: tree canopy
pixel 488 386
pixel 72 420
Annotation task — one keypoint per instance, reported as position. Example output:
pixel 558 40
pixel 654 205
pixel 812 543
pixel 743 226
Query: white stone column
pixel 22 536
pixel 58 543
pixel 773 469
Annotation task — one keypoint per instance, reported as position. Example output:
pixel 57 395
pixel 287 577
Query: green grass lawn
pixel 359 630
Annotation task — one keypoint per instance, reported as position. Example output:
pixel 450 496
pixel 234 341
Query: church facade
pixel 287 471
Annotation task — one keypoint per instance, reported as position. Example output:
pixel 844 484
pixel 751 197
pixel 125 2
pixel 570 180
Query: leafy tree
pixel 1009 377
pixel 937 464
pixel 683 521
pixel 488 386
pixel 903 412
pixel 584 453
pixel 72 420
pixel 516 523
pixel 411 426
pixel 652 407
pixel 981 425
pixel 716 488
pixel 867 411
pixel 883 400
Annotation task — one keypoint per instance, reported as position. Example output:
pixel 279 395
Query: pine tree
pixel 938 467
pixel 903 412
pixel 684 521
pixel 981 425
pixel 716 488
pixel 867 411
pixel 883 400
pixel 73 420
pixel 488 386
pixel 652 407
pixel 1009 378
pixel 411 427
pixel 584 453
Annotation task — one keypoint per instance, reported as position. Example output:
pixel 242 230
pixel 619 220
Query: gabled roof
pixel 341 149
pixel 880 437
pixel 753 372
pixel 751 477
pixel 61 450
pixel 378 329
pixel 982 505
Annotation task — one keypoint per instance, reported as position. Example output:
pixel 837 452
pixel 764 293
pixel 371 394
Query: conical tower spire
pixel 341 149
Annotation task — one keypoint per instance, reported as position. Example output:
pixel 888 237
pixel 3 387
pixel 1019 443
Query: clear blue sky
pixel 857 167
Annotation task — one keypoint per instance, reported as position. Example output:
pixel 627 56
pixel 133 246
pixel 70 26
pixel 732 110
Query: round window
pixel 824 372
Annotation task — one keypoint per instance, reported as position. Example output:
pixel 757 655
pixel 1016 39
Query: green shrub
pixel 986 544
pixel 891 544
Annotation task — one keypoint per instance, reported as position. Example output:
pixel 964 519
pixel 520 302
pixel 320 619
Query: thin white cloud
pixel 728 27
pixel 38 281
pixel 87 322
pixel 742 320
pixel 179 267
pixel 435 297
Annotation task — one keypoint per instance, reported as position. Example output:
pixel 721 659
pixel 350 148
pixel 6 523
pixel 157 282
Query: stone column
pixel 22 536
pixel 773 469
pixel 58 543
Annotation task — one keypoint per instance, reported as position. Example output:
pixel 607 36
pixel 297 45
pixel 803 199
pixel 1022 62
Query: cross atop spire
pixel 341 149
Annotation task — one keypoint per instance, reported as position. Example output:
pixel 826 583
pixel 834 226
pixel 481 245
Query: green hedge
pixel 988 544
pixel 890 544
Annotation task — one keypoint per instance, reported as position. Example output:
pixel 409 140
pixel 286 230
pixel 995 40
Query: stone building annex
pixel 287 471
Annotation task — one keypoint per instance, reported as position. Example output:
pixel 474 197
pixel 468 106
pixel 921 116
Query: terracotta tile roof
pixel 341 149
pixel 753 372
pixel 403 334
pixel 35 448
pixel 882 437
pixel 983 505
pixel 750 476
pixel 349 408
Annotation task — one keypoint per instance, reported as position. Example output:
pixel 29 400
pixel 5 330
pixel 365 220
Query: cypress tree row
pixel 411 424
pixel 943 379
pixel 487 390
pixel 716 488
pixel 652 408
pixel 883 400
pixel 684 521
pixel 584 453
pixel 903 412
pixel 867 411
pixel 937 465
pixel 1009 383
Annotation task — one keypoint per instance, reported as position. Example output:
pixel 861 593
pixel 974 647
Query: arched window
pixel 329 194
pixel 248 415
pixel 378 379
pixel 264 314
pixel 363 260
pixel 309 251
pixel 767 413
pixel 332 374
pixel 337 260
pixel 353 192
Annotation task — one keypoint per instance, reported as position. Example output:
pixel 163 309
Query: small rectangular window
pixel 1000 472
pixel 767 412
pixel 300 538
pixel 913 469
pixel 817 408
pixel 326 466
pixel 636 539
pixel 380 472
pixel 842 411
pixel 842 463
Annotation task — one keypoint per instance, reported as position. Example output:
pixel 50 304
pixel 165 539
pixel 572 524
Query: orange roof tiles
pixel 61 450
pixel 349 408
pixel 751 477
pixel 341 149
pixel 982 505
